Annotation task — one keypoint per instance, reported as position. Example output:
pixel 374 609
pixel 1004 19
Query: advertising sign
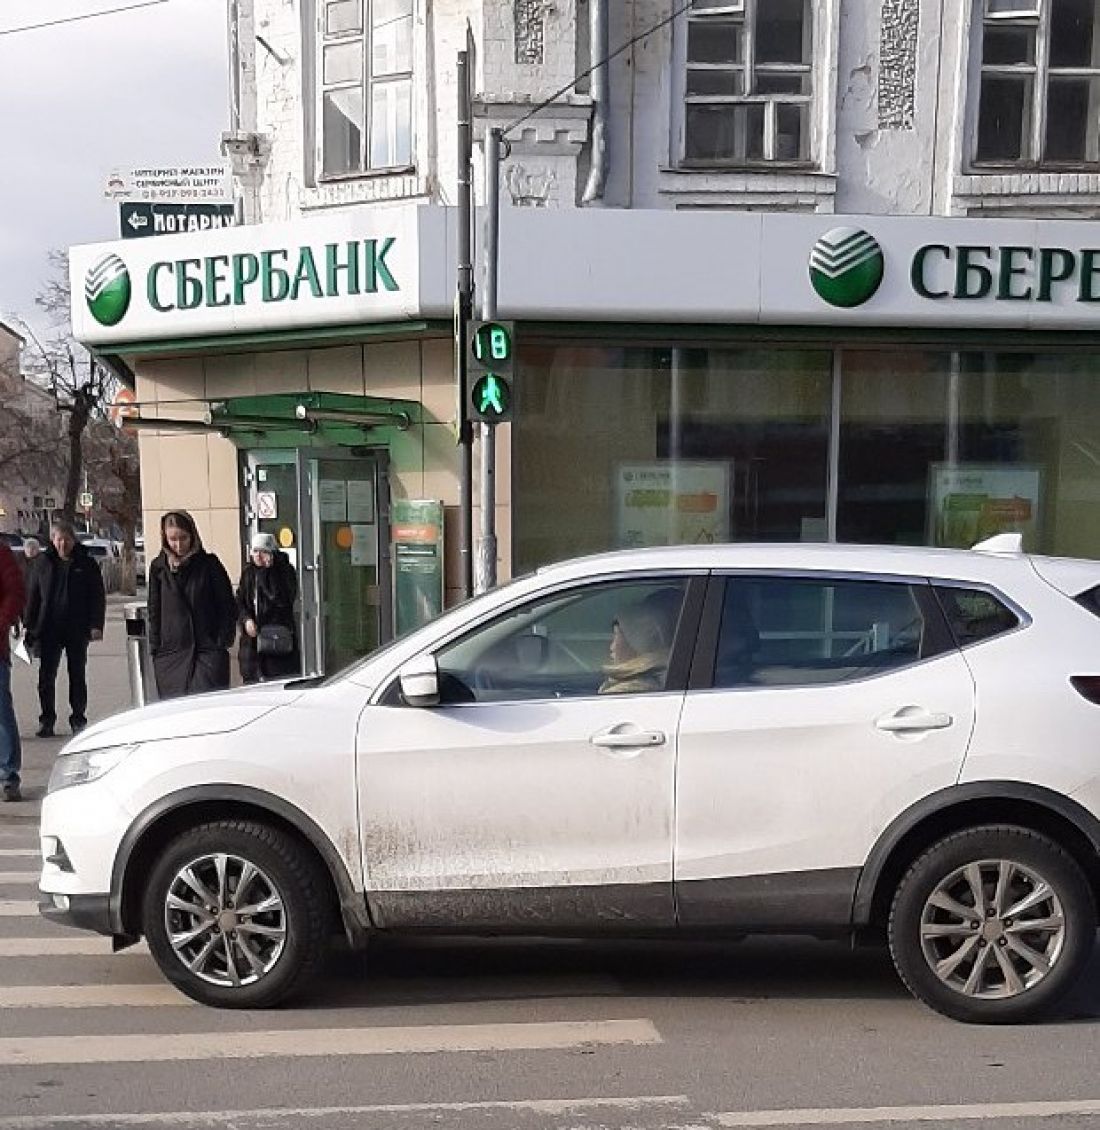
pixel 417 532
pixel 972 502
pixel 673 504
pixel 180 184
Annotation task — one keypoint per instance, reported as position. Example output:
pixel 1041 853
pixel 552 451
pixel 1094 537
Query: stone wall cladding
pixel 530 31
pixel 897 72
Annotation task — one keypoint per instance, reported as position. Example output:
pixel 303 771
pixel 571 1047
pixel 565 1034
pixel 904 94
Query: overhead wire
pixel 83 16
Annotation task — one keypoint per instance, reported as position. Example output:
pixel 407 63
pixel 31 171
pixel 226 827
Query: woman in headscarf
pixel 192 613
pixel 640 643
pixel 265 599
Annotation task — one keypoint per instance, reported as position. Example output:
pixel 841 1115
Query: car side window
pixel 611 638
pixel 974 614
pixel 797 632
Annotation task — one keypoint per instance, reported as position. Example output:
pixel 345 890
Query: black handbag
pixel 274 639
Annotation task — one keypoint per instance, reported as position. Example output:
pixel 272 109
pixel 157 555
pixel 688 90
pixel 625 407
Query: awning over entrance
pixel 285 419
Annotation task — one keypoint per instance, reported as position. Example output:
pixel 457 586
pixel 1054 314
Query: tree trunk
pixel 78 419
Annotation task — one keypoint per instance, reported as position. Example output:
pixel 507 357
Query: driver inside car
pixel 640 643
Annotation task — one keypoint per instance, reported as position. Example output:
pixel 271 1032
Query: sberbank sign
pixel 334 270
pixel 1012 273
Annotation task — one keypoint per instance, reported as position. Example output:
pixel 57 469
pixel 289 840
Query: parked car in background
pixel 884 743
pixel 15 541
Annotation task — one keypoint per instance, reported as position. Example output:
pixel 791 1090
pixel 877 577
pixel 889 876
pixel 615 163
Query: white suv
pixel 703 741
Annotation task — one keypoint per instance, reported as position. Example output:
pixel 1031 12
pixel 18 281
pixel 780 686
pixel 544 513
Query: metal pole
pixel 487 543
pixel 463 311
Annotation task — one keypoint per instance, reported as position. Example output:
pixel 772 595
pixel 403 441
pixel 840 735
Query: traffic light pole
pixel 486 576
pixel 463 312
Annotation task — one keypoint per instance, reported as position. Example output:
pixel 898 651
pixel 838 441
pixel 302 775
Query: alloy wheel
pixel 992 929
pixel 225 920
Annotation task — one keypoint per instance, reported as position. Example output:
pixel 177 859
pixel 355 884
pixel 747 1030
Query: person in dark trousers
pixel 192 614
pixel 265 598
pixel 66 607
pixel 11 610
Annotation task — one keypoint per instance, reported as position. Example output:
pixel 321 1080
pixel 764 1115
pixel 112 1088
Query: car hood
pixel 193 717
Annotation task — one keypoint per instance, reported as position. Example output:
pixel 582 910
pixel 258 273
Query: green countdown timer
pixel 492 342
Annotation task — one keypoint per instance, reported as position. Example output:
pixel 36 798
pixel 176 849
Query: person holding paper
pixel 11 609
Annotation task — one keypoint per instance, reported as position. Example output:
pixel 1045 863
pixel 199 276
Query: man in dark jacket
pixel 66 608
pixel 11 609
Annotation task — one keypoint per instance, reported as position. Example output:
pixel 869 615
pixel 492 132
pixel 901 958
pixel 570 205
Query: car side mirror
pixel 419 680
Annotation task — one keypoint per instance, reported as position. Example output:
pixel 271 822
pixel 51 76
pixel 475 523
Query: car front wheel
pixel 237 915
pixel 993 925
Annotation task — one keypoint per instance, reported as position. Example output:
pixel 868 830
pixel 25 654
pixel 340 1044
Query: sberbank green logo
pixel 107 290
pixel 846 266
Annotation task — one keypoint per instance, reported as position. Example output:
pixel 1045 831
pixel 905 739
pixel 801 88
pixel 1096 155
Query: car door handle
pixel 617 737
pixel 910 721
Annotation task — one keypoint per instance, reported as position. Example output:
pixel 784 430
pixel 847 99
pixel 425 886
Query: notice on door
pixel 673 504
pixel 333 500
pixel 360 501
pixel 364 545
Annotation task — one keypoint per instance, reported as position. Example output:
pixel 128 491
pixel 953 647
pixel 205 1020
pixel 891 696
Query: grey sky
pixel 142 87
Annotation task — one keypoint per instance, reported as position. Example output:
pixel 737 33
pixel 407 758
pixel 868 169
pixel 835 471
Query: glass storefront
pixel 616 446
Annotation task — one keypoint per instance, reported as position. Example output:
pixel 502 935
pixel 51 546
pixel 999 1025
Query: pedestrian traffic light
pixel 490 370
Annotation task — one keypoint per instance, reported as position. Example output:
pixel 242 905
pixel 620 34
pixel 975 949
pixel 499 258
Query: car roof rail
pixel 1007 545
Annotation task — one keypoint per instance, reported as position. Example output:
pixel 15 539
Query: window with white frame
pixel 1039 101
pixel 364 90
pixel 747 82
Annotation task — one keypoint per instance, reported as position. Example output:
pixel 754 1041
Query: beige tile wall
pixel 200 473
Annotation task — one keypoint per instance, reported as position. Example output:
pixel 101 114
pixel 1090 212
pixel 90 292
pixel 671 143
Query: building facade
pixel 780 270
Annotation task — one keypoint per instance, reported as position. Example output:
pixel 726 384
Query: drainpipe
pixel 598 20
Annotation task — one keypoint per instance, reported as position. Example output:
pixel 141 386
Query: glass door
pixel 346 574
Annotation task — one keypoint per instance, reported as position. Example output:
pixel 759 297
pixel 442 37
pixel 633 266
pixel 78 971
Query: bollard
pixel 143 688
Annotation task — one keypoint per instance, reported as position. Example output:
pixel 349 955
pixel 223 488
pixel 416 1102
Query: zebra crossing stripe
pixel 12 853
pixel 72 945
pixel 19 878
pixel 325 1042
pixel 15 908
pixel 158 995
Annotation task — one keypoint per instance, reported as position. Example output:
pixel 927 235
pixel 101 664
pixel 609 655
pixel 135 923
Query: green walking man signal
pixel 491 369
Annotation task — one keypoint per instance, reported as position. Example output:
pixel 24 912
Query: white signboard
pixel 349 267
pixel 180 184
pixel 267 505
pixel 969 503
pixel 673 504
pixel 334 500
pixel 360 501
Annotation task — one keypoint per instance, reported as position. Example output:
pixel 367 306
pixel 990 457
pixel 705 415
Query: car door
pixel 537 795
pixel 821 707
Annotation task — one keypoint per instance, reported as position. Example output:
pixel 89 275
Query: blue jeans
pixel 11 752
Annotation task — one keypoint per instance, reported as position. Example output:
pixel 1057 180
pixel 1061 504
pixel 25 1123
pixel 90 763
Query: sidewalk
pixel 108 693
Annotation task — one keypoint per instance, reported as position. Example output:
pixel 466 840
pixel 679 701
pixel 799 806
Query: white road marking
pixel 25 853
pixel 215 1117
pixel 21 878
pixel 853 1116
pixel 92 996
pixel 75 945
pixel 10 908
pixel 156 1048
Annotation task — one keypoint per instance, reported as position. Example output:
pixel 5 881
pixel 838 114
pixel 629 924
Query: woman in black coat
pixel 265 598
pixel 192 613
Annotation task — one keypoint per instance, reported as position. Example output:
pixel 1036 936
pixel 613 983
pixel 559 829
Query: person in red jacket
pixel 11 609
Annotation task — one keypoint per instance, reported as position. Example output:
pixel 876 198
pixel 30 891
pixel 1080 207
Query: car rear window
pixel 1090 599
pixel 975 614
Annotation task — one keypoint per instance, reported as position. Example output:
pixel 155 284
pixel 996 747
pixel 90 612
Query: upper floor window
pixel 365 88
pixel 1039 103
pixel 747 82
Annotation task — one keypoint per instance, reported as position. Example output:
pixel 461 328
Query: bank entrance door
pixel 329 512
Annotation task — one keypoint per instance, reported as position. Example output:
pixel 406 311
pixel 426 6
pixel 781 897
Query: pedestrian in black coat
pixel 192 613
pixel 265 597
pixel 66 608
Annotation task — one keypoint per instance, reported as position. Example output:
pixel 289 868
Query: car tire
pixel 189 914
pixel 983 965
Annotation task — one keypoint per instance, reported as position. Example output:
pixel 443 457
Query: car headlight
pixel 90 765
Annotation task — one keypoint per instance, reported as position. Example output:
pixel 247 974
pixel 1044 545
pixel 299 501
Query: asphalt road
pixel 503 1035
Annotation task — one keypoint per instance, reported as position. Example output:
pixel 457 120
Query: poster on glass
pixel 672 504
pixel 971 502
